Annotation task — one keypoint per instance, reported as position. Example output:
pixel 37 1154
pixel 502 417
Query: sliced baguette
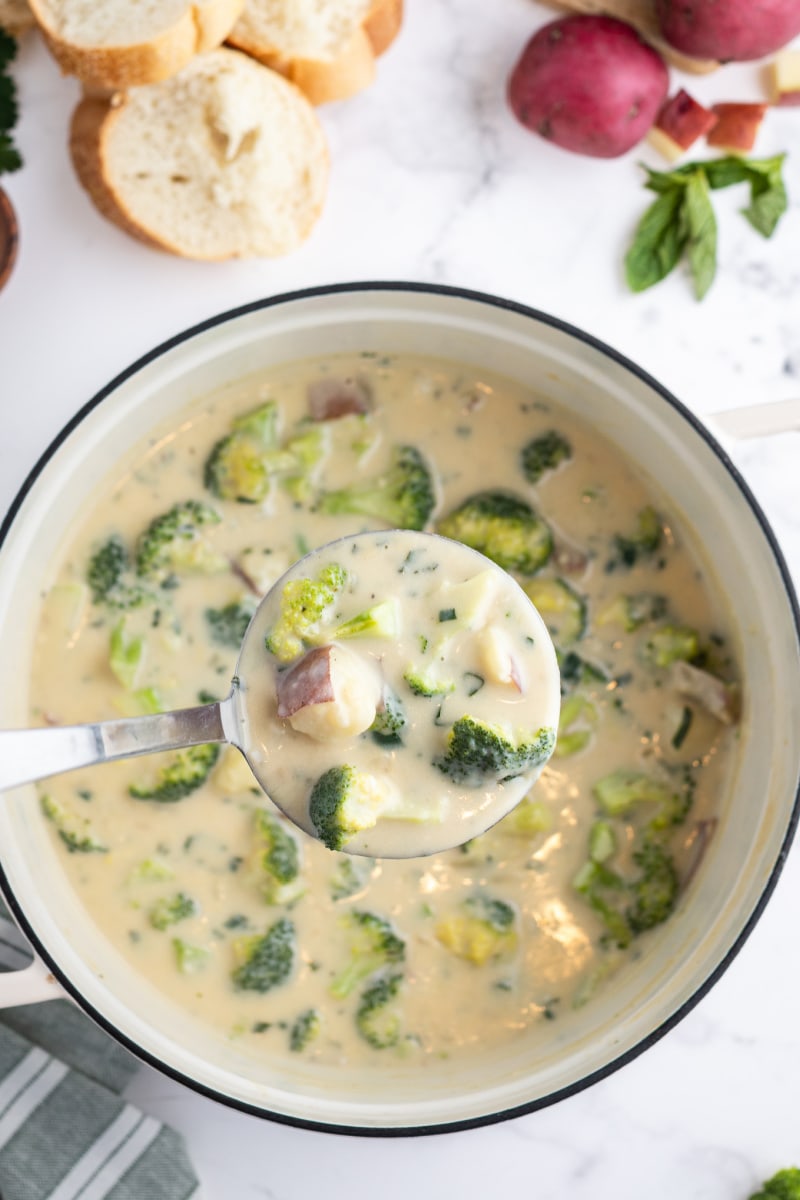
pixel 225 160
pixel 641 14
pixel 120 44
pixel 16 17
pixel 326 47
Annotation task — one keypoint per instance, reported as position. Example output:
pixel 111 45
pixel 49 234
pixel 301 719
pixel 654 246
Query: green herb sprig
pixel 681 220
pixel 10 158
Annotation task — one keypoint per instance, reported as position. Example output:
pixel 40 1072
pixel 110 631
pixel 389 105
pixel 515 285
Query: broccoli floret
pixel 171 909
pixel 126 655
pixel 74 831
pixel 187 771
pixel 628 906
pixel 655 892
pixel 190 958
pixel 602 841
pixel 671 643
pixel 481 930
pixel 377 1018
pixel 628 550
pixel 403 496
pixel 632 611
pixel 605 890
pixel 228 625
pixel 265 960
pixel 528 818
pixel 278 858
pixel 304 1030
pixel 151 870
pixel 784 1185
pixel 307 449
pixel 576 723
pixel 423 681
pixel 478 752
pixel 344 802
pixel 303 605
pixel 544 453
pixel 240 465
pixel 504 528
pixel 562 608
pixel 380 621
pixel 620 791
pixel 349 876
pixel 390 721
pixel 373 945
pixel 577 670
pixel 174 542
pixel 108 576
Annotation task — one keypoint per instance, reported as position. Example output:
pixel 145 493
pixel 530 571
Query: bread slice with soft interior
pixel 225 160
pixel 326 47
pixel 121 43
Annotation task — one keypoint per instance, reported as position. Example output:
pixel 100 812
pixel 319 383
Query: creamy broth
pixel 457 640
pixel 497 939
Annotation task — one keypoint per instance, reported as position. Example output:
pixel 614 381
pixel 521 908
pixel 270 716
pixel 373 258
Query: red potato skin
pixel 737 126
pixel 588 84
pixel 684 120
pixel 307 681
pixel 728 30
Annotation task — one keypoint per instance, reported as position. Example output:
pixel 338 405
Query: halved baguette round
pixel 120 44
pixel 225 160
pixel 326 47
pixel 16 17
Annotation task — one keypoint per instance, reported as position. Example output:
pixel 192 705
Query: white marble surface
pixel 433 180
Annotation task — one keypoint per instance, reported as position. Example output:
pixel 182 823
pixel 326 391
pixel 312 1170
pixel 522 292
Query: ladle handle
pixel 758 420
pixel 28 754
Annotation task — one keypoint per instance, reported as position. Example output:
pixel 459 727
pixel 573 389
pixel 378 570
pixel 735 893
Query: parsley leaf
pixel 10 159
pixel 681 220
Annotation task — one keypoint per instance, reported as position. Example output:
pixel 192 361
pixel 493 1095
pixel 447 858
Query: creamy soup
pixel 264 933
pixel 430 650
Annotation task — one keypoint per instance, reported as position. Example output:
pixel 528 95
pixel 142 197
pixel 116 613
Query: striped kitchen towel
pixel 65 1131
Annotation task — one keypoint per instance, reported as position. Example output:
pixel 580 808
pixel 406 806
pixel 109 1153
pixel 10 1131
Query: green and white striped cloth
pixel 65 1131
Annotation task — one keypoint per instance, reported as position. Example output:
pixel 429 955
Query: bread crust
pixel 91 130
pixel 201 28
pixel 383 23
pixel 91 124
pixel 641 14
pixel 350 72
pixel 16 17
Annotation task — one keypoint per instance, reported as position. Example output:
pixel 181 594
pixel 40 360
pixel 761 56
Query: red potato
pixel 329 399
pixel 728 30
pixel 329 693
pixel 589 84
pixel 737 126
pixel 679 124
pixel 786 79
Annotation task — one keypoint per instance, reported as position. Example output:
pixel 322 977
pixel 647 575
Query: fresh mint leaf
pixel 682 218
pixel 658 242
pixel 768 199
pixel 701 227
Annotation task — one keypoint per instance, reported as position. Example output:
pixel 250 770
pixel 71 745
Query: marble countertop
pixel 432 180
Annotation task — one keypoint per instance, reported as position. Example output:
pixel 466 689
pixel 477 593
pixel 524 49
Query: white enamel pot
pixel 757 817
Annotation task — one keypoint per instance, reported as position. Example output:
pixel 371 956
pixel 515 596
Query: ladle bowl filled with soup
pixel 168 895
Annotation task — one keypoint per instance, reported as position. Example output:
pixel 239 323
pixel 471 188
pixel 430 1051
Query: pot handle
pixel 757 420
pixel 30 985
